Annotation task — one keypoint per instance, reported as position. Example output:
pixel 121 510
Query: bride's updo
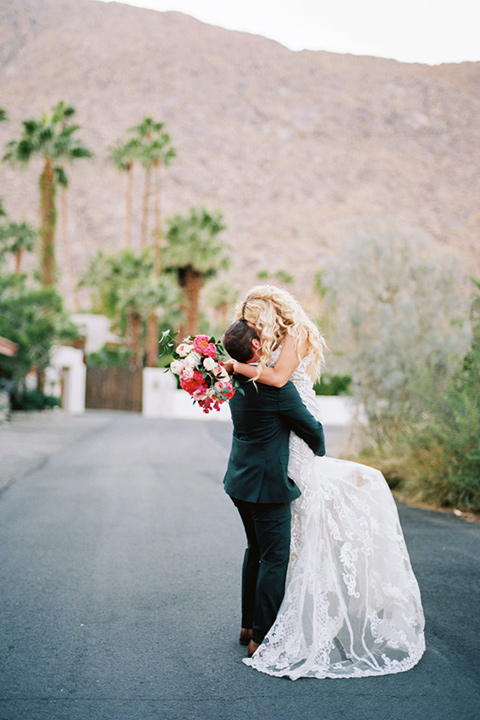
pixel 275 313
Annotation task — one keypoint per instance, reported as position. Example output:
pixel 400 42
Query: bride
pixel 352 605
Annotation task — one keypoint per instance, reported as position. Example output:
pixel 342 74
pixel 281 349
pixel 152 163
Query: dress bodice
pixel 302 381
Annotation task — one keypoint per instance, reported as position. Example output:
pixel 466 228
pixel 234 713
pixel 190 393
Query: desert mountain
pixel 290 147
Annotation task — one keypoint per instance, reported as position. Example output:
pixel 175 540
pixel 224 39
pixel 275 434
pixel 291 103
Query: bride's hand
pixel 229 367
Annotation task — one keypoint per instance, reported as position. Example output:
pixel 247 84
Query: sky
pixel 425 31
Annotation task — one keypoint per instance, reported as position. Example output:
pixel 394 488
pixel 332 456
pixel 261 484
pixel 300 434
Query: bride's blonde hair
pixel 275 314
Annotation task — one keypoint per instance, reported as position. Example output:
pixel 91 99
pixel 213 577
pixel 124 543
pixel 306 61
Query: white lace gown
pixel 352 605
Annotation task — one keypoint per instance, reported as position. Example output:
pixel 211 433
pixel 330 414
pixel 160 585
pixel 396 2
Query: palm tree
pixel 154 150
pixel 17 238
pixel 163 154
pixel 123 156
pixel 3 118
pixel 52 139
pixel 160 153
pixel 129 292
pixel 61 115
pixel 194 252
pixel 221 297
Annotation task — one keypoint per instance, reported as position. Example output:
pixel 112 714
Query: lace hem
pixel 333 672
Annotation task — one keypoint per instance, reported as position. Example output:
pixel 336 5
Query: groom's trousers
pixel 267 527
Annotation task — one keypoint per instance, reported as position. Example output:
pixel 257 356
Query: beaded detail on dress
pixel 352 605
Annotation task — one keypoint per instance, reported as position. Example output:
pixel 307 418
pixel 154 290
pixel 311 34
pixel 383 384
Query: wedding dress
pixel 352 604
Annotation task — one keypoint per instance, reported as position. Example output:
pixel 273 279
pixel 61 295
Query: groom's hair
pixel 237 340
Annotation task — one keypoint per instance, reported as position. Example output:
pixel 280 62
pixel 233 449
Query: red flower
pixel 192 384
pixel 202 345
pixel 225 389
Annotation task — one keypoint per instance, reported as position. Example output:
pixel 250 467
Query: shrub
pixel 333 385
pixel 34 400
pixel 401 325
pixel 109 357
pixel 443 452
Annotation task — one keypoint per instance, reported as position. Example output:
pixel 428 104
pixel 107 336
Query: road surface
pixel 120 564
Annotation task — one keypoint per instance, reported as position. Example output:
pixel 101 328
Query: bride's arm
pixel 277 376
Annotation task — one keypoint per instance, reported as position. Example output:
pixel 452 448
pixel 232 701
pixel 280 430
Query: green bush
pixel 34 400
pixel 443 451
pixel 333 385
pixel 109 357
pixel 443 465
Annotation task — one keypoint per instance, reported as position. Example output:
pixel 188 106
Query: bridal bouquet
pixel 199 363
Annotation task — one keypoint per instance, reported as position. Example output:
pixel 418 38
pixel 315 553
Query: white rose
pixel 194 359
pixel 209 363
pixel 176 366
pixel 183 349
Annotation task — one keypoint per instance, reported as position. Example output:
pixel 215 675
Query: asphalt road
pixel 120 569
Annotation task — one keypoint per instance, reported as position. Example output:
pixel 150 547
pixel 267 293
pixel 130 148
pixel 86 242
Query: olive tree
pixel 400 320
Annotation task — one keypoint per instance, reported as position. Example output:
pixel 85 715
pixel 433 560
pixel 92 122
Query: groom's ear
pixel 257 347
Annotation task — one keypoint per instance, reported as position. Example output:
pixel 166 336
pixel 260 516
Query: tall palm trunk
pixel 146 197
pixel 66 248
pixel 18 260
pixel 48 219
pixel 222 314
pixel 152 322
pixel 128 199
pixel 152 341
pixel 191 282
pixel 134 339
pixel 158 222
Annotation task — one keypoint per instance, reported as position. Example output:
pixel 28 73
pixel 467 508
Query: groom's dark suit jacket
pixel 263 417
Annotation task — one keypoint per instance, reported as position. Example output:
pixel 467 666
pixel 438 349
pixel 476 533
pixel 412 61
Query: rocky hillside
pixel 289 146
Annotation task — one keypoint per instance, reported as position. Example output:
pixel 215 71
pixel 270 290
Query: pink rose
pixel 187 372
pixel 200 393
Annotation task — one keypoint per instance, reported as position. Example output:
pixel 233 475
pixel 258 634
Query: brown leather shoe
pixel 252 647
pixel 245 636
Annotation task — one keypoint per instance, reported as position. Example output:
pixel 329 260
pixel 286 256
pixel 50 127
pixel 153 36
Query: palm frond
pixel 193 242
pixel 61 176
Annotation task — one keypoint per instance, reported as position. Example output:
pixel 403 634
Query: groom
pixel 258 483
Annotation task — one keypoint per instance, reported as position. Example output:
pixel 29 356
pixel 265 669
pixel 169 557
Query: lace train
pixel 352 604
